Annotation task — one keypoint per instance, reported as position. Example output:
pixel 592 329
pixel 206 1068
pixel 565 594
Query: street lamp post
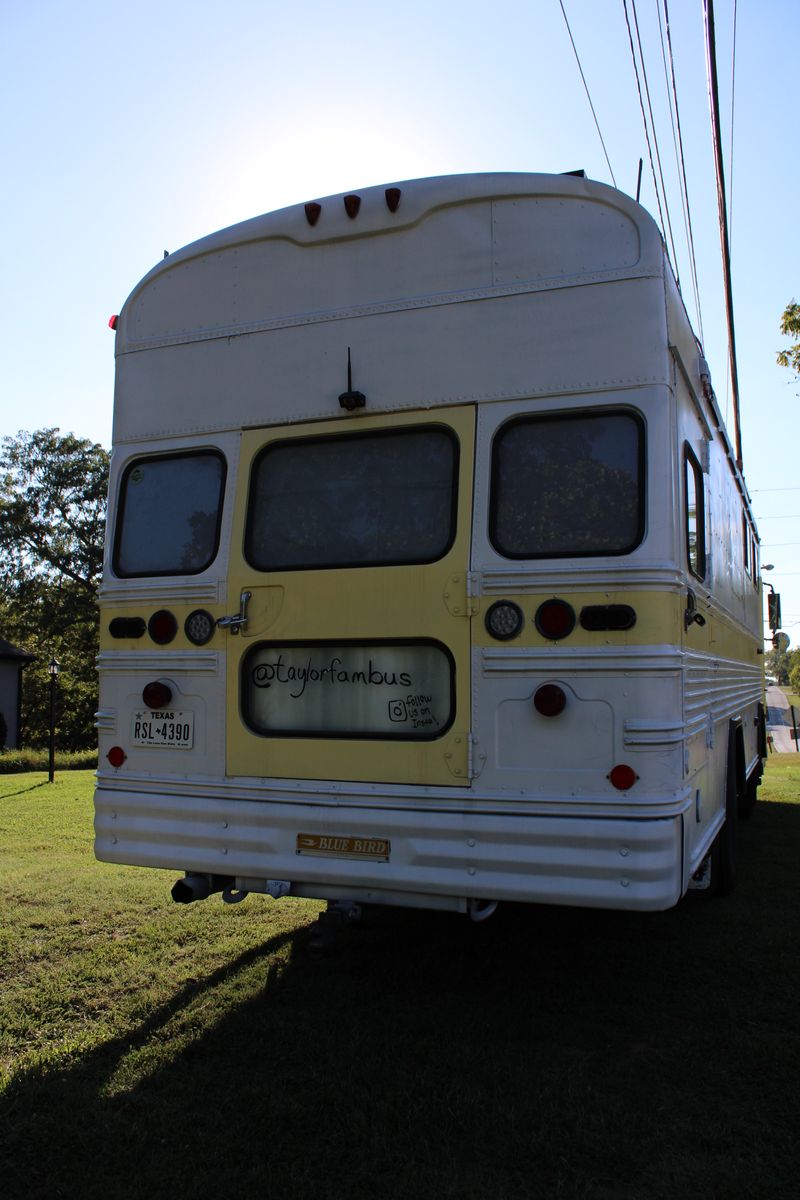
pixel 53 667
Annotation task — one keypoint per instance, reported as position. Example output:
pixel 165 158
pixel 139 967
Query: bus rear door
pixel 349 640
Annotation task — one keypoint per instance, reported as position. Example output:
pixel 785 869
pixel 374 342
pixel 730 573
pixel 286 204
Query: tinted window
pixel 168 521
pixel 358 500
pixel 568 485
pixel 695 515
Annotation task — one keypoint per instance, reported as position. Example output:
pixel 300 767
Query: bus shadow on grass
pixel 546 1052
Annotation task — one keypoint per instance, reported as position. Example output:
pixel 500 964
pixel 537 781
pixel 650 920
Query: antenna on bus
pixel 350 399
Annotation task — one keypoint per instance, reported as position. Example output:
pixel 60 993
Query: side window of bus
pixel 353 500
pixel 568 484
pixel 695 515
pixel 169 514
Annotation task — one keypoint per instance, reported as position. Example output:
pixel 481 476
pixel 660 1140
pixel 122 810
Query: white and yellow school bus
pixel 431 579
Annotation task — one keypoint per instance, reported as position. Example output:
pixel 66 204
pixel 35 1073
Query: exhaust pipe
pixel 199 887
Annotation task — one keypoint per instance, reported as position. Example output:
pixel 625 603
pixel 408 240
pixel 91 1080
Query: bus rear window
pixel 169 514
pixel 568 485
pixel 367 499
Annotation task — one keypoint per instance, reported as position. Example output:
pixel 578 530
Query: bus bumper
pixel 431 857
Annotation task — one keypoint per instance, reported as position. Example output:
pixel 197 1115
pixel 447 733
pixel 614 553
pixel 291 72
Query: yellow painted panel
pixel 417 602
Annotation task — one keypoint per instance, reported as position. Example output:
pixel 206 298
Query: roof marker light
pixel 312 212
pixel 112 321
pixel 393 199
pixel 351 205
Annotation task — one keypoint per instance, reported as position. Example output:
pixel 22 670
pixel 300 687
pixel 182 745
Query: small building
pixel 12 663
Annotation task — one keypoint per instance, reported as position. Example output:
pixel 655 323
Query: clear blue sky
pixel 129 130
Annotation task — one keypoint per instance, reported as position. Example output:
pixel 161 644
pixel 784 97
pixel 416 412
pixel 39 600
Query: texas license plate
pixel 167 728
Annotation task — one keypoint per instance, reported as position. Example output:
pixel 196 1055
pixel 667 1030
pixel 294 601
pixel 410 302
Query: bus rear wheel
pixel 723 852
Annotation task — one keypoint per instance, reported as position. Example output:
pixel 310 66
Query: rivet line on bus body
pixel 625 882
pixel 471 870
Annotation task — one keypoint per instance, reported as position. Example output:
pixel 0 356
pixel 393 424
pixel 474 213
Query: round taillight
pixel 156 694
pixel 555 619
pixel 549 700
pixel 162 627
pixel 504 620
pixel 622 776
pixel 199 627
pixel 116 756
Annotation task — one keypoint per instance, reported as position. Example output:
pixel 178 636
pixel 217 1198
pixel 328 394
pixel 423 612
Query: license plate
pixel 167 728
pixel 324 846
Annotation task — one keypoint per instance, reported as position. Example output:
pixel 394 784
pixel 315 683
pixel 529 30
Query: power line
pixel 730 174
pixel 733 99
pixel 778 489
pixel 713 95
pixel 668 227
pixel 586 87
pixel 684 189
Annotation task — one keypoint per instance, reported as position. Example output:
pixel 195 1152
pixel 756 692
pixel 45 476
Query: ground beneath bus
pixel 780 726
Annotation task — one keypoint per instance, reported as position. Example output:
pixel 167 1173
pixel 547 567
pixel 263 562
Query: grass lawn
pixel 155 1050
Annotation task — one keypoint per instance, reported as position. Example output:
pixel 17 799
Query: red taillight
pixel 156 694
pixel 549 700
pixel 116 756
pixel 555 619
pixel 162 627
pixel 623 777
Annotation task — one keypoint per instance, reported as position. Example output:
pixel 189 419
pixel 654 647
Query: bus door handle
pixel 691 616
pixel 239 621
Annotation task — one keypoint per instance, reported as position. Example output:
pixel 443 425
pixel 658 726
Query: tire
pixel 749 796
pixel 723 853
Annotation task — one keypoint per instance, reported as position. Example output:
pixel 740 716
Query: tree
pixel 790 327
pixel 794 671
pixel 52 515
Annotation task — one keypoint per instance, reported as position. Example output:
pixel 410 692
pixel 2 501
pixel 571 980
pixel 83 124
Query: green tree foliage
pixel 777 664
pixel 52 514
pixel 790 327
pixel 794 671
